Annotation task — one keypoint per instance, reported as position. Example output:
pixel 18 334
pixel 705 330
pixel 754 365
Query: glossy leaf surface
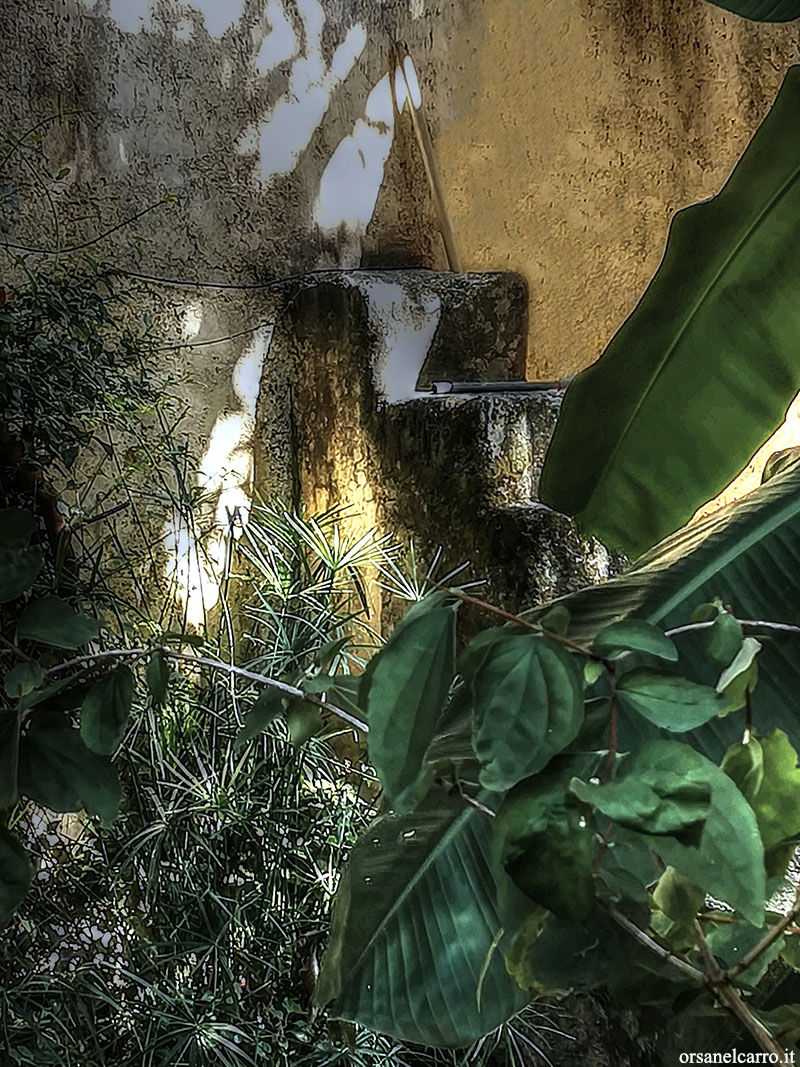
pixel 413 922
pixel 16 875
pixel 51 621
pixel 691 814
pixel 762 10
pixel 58 770
pixel 667 700
pixel 748 555
pixel 403 691
pixel 528 705
pixel 704 369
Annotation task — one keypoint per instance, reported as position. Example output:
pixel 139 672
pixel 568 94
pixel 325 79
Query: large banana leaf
pixel 413 923
pixel 703 370
pixel 747 554
pixel 762 10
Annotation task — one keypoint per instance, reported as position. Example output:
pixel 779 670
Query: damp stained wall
pixel 567 132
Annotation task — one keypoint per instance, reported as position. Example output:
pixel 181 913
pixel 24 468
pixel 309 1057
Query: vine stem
pixel 719 982
pixel 772 935
pixel 213 664
pixel 13 648
pixel 532 626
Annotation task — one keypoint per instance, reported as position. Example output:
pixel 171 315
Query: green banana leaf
pixel 748 555
pixel 704 369
pixel 413 924
pixel 762 10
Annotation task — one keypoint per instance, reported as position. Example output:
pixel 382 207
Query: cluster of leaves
pixel 544 822
pixel 65 363
pixel 589 866
pixel 190 926
pixel 60 721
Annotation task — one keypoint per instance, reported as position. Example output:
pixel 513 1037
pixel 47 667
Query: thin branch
pixel 719 983
pixel 13 648
pixel 217 665
pixel 750 624
pixel 532 626
pixel 772 935
pixel 92 241
pixel 663 953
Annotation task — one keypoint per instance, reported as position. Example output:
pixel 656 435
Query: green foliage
pixel 545 841
pixel 51 621
pixel 528 699
pixel 105 710
pixel 582 837
pixel 636 451
pixel 57 770
pixel 66 362
pixel 403 692
pixel 667 700
pixel 16 875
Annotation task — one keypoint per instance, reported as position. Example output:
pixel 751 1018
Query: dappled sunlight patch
pixel 197 552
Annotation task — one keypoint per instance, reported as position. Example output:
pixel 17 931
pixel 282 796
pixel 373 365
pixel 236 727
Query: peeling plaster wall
pixel 567 133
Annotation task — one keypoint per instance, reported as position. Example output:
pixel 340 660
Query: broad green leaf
pixel 16 875
pixel 627 868
pixel 403 691
pixel 528 705
pixel 777 801
pixel 268 706
pixel 19 569
pixel 634 635
pixel 744 763
pixel 318 683
pixel 692 815
pixel 56 769
pixel 105 711
pixel 724 639
pixel 678 897
pixel 762 10
pixel 662 788
pixel 9 750
pixel 592 671
pixel 544 839
pixel 157 677
pixel 23 679
pixel 743 554
pixel 51 621
pixel 783 1023
pixel 667 700
pixel 666 418
pixel 304 720
pixel 569 955
pixel 556 621
pixel 412 924
pixel 17 526
pixel 730 942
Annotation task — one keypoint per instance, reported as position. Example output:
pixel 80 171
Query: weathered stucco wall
pixel 567 134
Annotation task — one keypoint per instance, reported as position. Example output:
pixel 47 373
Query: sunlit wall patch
pixel 353 177
pixel 197 544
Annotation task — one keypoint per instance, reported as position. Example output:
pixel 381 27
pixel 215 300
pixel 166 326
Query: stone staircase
pixel 352 420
